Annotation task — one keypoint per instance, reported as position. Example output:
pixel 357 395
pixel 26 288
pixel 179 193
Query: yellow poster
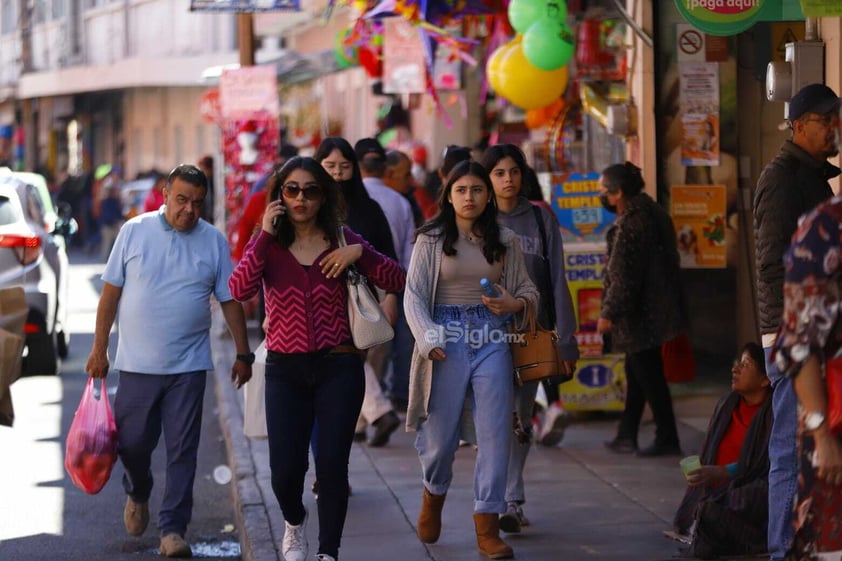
pixel 698 213
pixel 599 383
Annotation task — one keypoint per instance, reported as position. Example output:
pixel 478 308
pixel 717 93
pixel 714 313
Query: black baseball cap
pixel 813 98
pixel 369 147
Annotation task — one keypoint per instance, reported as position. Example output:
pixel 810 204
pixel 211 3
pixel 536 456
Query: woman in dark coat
pixel 641 305
pixel 365 216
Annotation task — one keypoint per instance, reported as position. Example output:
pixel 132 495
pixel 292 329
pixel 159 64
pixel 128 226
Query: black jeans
pixel 645 383
pixel 301 389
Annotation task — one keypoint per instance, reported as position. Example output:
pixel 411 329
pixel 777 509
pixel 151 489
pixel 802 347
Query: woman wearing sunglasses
pixel 461 362
pixel 313 372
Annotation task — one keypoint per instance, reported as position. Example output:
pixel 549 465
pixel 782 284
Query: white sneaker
pixel 325 557
pixel 556 421
pixel 295 545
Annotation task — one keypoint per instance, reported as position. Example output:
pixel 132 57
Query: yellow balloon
pixel 527 86
pixel 492 67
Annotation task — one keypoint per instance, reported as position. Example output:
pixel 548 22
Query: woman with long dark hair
pixel 367 219
pixel 543 252
pixel 461 351
pixel 314 374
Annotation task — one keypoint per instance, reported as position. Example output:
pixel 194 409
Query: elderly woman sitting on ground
pixel 725 507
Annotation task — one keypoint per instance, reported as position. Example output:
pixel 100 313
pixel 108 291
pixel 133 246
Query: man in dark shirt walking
pixel 793 183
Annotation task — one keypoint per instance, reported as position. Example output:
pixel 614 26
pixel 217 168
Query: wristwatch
pixel 248 359
pixel 813 420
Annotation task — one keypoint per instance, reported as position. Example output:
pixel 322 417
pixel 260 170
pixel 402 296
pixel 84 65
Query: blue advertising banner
pixel 575 199
pixel 244 5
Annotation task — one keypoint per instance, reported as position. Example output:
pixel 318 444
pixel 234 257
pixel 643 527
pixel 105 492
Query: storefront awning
pixel 128 73
pixel 291 67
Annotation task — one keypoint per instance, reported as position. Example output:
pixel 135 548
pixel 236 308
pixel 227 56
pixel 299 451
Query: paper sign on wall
pixel 404 66
pixel 243 92
pixel 699 113
pixel 698 213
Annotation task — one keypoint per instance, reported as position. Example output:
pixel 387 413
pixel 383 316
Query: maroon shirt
pixel 306 311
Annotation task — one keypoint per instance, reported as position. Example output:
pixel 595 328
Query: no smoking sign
pixel 691 43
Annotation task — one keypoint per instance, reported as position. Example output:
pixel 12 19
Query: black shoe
pixel 621 445
pixel 383 429
pixel 657 450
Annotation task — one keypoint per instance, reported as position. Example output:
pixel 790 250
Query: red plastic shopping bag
pixel 92 441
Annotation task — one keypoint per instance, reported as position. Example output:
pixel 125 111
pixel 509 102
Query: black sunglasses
pixel 312 192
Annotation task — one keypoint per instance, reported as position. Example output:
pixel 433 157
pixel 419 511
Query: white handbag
pixel 254 404
pixel 369 326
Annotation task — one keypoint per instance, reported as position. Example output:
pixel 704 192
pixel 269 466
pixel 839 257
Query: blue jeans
pixel 302 389
pixel 783 461
pixel 145 404
pixel 479 367
pixel 397 383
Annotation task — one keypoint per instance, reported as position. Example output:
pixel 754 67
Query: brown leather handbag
pixel 535 353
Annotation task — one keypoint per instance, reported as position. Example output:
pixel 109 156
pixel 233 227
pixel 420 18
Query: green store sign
pixel 729 17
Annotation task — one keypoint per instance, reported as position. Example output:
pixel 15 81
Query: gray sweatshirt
pixel 522 221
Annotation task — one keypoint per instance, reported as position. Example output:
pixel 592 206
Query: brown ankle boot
pixel 488 537
pixel 429 519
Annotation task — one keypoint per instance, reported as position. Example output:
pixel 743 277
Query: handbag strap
pixel 545 257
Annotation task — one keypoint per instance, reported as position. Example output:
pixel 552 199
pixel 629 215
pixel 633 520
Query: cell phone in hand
pixel 276 222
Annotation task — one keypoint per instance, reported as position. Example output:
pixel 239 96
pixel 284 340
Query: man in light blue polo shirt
pixel 163 269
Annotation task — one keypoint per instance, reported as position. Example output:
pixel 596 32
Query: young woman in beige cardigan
pixel 461 361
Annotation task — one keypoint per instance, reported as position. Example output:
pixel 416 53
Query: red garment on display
pixel 252 217
pixel 732 441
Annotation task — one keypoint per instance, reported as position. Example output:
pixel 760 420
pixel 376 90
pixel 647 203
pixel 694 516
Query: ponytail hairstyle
pixel 626 178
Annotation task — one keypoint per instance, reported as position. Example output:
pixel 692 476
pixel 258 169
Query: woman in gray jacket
pixel 540 241
pixel 461 362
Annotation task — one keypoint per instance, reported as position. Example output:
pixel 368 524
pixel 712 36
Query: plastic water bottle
pixel 488 288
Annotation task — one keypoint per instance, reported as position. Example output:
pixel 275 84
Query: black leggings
pixel 645 383
pixel 302 389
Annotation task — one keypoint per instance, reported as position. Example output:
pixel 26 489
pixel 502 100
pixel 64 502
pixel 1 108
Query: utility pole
pixel 245 31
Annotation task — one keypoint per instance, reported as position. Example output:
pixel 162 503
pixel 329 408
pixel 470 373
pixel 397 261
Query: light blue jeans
pixel 524 403
pixel 783 461
pixel 479 367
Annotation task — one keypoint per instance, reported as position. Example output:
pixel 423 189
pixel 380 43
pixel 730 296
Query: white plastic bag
pixel 254 408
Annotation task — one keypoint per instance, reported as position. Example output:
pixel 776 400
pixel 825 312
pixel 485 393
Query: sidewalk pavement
pixel 583 501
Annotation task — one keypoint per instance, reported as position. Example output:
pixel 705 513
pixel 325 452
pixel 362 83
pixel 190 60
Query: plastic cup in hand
pixel 688 464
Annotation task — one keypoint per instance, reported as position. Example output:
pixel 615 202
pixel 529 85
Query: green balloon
pixel 524 13
pixel 548 44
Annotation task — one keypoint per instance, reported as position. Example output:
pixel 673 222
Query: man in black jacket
pixel 793 183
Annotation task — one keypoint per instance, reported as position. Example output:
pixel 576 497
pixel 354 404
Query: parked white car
pixel 33 255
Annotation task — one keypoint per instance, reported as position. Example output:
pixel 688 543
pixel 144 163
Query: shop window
pixel 200 139
pixel 8 17
pixel 157 149
pixel 178 143
pixel 40 11
pixel 137 146
pixel 59 8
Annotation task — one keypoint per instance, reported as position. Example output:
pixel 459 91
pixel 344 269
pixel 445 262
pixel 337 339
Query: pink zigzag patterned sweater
pixel 306 311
